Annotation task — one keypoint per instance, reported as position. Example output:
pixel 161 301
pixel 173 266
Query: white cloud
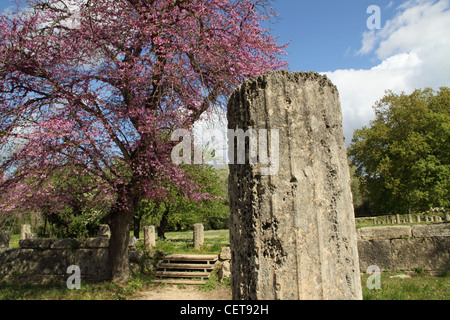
pixel 415 27
pixel 368 42
pixel 360 89
pixel 413 49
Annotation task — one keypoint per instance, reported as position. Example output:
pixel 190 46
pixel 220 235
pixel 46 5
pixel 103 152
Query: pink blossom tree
pixel 95 88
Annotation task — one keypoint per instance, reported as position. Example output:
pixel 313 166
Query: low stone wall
pixel 407 248
pixel 47 260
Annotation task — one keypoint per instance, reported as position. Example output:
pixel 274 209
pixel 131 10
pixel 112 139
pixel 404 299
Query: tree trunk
pixel 137 225
pixel 163 224
pixel 118 246
pixel 119 219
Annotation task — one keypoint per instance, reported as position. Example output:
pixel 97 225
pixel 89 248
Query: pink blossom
pixel 99 94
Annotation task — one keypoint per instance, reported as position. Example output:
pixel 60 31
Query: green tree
pixel 402 159
pixel 81 213
pixel 178 213
pixel 360 203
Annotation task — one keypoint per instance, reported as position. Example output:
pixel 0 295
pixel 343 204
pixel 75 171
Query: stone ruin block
pixel 199 236
pixel 25 232
pixel 292 229
pixel 104 231
pixel 4 239
pixel 149 237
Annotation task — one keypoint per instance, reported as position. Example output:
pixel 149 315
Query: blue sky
pixel 410 51
pixel 324 34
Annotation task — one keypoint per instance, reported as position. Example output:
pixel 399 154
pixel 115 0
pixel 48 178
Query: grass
pixel 419 287
pixel 182 242
pixel 14 241
pixel 88 291
pixel 176 242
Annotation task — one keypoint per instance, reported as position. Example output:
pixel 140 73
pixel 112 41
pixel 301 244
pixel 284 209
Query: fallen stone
pixel 400 276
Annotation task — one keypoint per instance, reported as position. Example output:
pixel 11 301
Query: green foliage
pixel 182 214
pixel 181 242
pixel 421 286
pixel 83 214
pixel 88 291
pixel 402 159
pixel 69 224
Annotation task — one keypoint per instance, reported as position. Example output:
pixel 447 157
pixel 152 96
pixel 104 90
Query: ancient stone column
pixel 149 237
pixel 292 227
pixel 25 231
pixel 199 236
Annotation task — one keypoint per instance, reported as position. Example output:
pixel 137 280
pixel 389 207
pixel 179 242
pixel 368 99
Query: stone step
pixel 181 281
pixel 184 266
pixel 176 274
pixel 191 257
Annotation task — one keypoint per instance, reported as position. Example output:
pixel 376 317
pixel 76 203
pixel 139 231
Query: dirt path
pixel 184 293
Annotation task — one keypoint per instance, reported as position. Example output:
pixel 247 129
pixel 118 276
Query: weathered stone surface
pixel 92 243
pixel 46 260
pixel 65 244
pixel 132 242
pixel 379 233
pixel 149 237
pixel 434 230
pixel 225 270
pixel 46 243
pixel 46 265
pixel 135 255
pixel 199 236
pixel 42 243
pixel 429 254
pixel 225 253
pixel 428 248
pixel 375 253
pixel 104 231
pixel 292 233
pixel 223 264
pixel 25 231
pixel 4 239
